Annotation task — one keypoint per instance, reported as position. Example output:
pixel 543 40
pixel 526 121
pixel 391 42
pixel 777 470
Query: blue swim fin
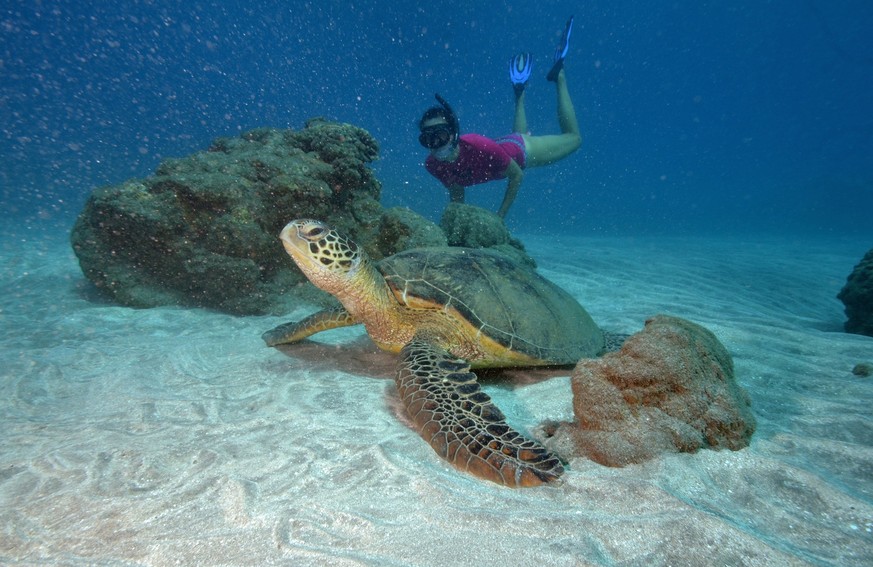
pixel 561 52
pixel 519 71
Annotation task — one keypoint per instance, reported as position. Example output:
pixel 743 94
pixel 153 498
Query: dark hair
pixel 445 111
pixel 434 112
pixel 438 135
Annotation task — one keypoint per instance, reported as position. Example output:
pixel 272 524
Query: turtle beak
pixel 295 245
pixel 323 255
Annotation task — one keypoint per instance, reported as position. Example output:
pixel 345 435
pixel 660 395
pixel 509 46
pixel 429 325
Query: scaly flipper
pixel 298 330
pixel 458 419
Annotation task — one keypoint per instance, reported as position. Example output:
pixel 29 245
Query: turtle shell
pixel 511 303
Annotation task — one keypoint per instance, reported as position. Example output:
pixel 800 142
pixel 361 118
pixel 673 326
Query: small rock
pixel 474 227
pixel 863 369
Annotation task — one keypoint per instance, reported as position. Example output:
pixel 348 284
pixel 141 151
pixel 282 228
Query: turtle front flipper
pixel 298 330
pixel 452 413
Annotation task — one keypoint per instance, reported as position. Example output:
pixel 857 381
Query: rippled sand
pixel 172 436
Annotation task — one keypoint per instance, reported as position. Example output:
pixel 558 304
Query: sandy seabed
pixel 175 437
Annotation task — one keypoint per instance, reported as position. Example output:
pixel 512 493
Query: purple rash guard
pixel 480 159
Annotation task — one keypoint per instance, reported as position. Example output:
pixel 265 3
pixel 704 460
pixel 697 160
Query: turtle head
pixel 326 257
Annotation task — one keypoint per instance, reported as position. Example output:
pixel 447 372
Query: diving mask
pixel 436 136
pixel 439 127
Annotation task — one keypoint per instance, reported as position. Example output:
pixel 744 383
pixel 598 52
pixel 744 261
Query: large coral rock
pixel 857 296
pixel 203 230
pixel 670 388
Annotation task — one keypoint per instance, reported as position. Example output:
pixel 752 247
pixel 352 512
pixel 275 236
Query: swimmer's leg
pixel 543 150
pixel 519 124
pixel 520 68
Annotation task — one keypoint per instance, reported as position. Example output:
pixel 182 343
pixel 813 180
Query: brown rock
pixel 670 388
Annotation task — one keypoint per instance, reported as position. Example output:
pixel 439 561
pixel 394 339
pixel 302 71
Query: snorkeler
pixel 461 161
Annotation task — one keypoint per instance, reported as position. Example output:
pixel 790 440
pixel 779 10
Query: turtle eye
pixel 314 232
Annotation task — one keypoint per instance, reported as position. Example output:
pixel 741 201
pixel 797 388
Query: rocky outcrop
pixel 203 230
pixel 857 296
pixel 670 388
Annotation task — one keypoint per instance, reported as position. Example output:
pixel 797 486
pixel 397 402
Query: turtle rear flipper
pixel 458 419
pixel 296 331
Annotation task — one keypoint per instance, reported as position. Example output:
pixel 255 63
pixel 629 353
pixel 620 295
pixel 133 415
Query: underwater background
pixel 725 177
pixel 750 117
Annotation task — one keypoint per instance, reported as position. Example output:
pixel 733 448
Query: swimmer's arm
pixel 515 174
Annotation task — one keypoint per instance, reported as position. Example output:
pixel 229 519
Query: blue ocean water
pixel 726 176
pixel 698 117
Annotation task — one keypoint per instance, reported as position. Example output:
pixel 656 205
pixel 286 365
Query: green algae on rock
pixel 474 227
pixel 202 231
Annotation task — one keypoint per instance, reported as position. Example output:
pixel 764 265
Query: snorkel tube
pixel 451 117
pixel 439 129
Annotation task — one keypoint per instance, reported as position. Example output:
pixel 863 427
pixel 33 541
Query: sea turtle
pixel 445 310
